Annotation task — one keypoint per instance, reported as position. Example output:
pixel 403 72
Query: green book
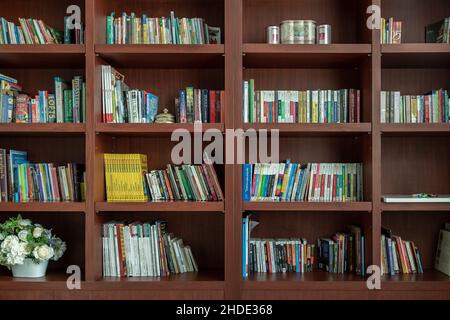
pixel 68 106
pixel 109 29
pixel 186 185
pixel 51 103
pixel 83 102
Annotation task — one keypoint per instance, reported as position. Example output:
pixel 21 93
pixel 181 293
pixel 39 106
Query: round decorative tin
pixel 309 27
pixel 324 34
pixel 288 31
pixel 273 35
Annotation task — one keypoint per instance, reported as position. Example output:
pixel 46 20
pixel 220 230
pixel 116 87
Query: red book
pixel 30 184
pixel 208 181
pixel 405 254
pixel 22 108
pixel 269 258
pixel 220 107
pixel 212 106
pixel 169 188
pixel 266 110
pixel 119 247
pixel 55 186
pixel 427 109
pixel 334 188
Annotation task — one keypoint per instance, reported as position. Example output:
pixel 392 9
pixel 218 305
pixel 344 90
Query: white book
pixel 156 250
pixel 106 267
pixel 141 247
pixel 323 99
pixel 151 241
pixel 383 107
pixel 194 263
pixel 442 261
pixel 415 199
pixel 397 102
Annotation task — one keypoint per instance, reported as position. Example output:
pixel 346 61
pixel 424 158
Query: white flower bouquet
pixel 21 239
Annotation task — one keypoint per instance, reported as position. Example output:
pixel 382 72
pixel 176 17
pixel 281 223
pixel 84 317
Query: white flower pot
pixel 29 269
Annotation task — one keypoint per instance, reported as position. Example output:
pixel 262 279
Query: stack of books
pixel 290 106
pixel 184 183
pixel 438 32
pixel 22 181
pixel 124 176
pixel 199 105
pixel 398 255
pixel 144 250
pixel 35 31
pixel 343 252
pixel 274 255
pixel 129 29
pixel 430 108
pixel 128 180
pixel 391 31
pixel 66 105
pixel 314 182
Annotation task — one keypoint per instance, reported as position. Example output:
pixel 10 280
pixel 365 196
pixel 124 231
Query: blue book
pixel 244 247
pixel 246 181
pixel 42 104
pixel 391 256
pixel 300 180
pixel 16 158
pixel 152 107
pixel 297 257
pixel 205 106
pixel 291 181
pixel 183 108
pixel 7 104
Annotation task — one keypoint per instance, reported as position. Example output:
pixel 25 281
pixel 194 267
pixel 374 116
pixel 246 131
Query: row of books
pixel 22 181
pixel 122 105
pixel 442 259
pixel 66 105
pixel 314 182
pixel 311 106
pixel 438 32
pixel 391 31
pixel 35 31
pixel 129 29
pixel 144 250
pixel 125 174
pixel 274 255
pixel 343 252
pixel 430 108
pixel 398 255
pixel 184 183
pixel 199 105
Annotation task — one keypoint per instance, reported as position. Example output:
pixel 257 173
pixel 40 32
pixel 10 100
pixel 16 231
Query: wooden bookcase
pixel 397 158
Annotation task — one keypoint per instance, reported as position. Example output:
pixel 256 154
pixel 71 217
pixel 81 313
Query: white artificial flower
pixel 23 235
pixel 15 253
pixel 24 222
pixel 2 236
pixel 43 252
pixel 9 242
pixel 37 232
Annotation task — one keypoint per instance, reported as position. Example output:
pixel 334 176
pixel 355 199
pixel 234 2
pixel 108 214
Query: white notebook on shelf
pixel 415 199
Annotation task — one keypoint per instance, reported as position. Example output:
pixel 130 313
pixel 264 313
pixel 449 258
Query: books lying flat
pixel 413 199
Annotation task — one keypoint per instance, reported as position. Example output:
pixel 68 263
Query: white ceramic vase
pixel 30 269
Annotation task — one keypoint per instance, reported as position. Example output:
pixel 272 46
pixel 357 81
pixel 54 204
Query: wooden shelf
pixel 417 207
pixel 131 129
pixel 308 206
pixel 316 280
pixel 42 56
pixel 78 207
pixel 163 56
pixel 413 129
pixel 295 129
pixel 415 55
pixel 431 280
pixel 160 206
pixel 54 280
pixel 31 129
pixel 258 55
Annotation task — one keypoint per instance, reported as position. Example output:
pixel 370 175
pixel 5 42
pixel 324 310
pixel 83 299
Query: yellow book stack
pixel 124 177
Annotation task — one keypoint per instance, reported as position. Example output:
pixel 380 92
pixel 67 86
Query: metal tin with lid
pixel 273 35
pixel 324 34
pixel 287 31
